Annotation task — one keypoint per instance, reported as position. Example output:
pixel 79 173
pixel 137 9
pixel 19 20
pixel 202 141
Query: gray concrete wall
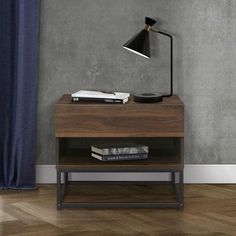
pixel 80 48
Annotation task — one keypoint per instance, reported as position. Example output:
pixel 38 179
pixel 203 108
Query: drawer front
pixel 119 121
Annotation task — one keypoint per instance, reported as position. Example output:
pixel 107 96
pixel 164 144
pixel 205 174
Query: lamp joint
pixel 147 27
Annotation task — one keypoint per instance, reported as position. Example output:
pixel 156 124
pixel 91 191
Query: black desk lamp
pixel 140 45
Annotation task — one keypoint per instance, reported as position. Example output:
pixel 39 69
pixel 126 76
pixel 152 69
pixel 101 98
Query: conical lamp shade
pixel 139 44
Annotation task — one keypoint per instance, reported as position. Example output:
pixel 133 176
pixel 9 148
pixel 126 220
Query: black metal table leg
pixel 59 190
pixel 64 186
pixel 173 182
pixel 173 178
pixel 181 189
pixel 66 177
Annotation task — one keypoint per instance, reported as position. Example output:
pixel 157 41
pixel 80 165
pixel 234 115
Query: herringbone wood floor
pixel 209 210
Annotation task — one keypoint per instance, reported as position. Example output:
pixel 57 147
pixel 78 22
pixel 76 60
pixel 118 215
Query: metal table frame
pixel 176 182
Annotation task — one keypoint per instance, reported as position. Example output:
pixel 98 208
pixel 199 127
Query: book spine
pixel 100 100
pixel 140 156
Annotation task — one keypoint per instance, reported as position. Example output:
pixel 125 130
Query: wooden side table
pixel 151 122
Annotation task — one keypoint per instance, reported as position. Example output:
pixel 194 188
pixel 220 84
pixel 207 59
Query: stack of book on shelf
pixel 121 152
pixel 100 96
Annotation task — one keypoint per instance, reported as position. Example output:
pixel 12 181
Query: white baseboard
pixel 202 174
pixel 210 174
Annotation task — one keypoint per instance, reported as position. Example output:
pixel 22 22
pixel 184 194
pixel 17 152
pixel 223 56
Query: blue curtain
pixel 19 30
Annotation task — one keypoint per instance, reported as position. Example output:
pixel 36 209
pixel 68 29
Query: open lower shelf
pixel 113 192
pixel 81 159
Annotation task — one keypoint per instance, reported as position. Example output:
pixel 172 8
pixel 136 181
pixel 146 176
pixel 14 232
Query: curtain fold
pixel 19 30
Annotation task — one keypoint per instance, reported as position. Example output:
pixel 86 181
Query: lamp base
pixel 148 97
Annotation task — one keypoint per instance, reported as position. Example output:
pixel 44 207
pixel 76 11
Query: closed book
pixel 119 149
pixel 100 94
pixel 99 100
pixel 125 157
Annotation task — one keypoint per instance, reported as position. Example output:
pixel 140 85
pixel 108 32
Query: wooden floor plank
pixel 209 210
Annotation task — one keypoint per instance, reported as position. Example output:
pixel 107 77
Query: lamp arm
pixel 171 59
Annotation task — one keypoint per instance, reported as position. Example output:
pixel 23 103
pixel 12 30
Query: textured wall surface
pixel 80 48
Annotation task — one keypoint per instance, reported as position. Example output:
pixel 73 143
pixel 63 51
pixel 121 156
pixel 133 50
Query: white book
pixel 102 100
pixel 98 94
